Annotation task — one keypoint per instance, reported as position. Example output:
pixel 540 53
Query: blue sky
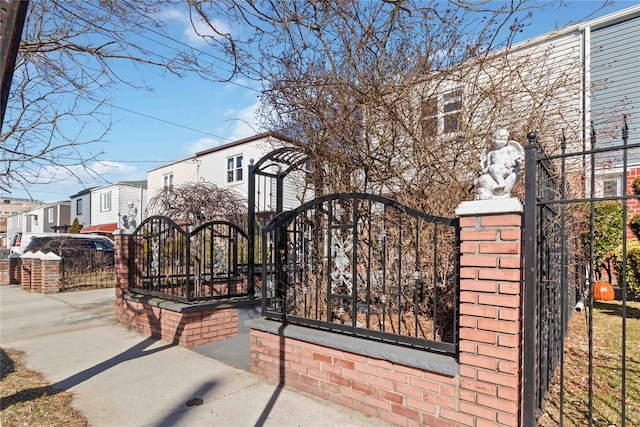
pixel 150 128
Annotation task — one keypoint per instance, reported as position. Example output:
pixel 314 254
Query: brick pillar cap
pixel 51 256
pixel 119 231
pixel 492 206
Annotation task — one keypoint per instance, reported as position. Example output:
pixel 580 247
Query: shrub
pixel 607 233
pixel 634 225
pixel 636 185
pixel 633 268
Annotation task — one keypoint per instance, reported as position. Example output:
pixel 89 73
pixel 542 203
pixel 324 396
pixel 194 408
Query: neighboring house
pixel 226 166
pixel 10 220
pixel 109 205
pixel 48 218
pixel 81 207
pixel 586 74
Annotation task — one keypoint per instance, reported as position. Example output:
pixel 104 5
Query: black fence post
pixel 530 282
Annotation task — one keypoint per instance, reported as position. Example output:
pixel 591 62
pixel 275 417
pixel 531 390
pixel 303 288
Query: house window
pixel 50 217
pixel 105 202
pixel 441 114
pixel 234 168
pixel 610 188
pixel 168 181
pixel 79 207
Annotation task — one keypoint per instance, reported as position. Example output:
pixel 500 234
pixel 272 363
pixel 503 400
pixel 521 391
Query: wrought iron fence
pixel 367 266
pixel 206 263
pixel 562 194
pixel 89 269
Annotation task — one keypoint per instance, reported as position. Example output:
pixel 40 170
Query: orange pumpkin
pixel 603 291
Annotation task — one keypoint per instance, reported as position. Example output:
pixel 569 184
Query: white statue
pixel 129 220
pixel 500 167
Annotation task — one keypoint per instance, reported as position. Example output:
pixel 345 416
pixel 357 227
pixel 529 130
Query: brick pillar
pixel 15 268
pixel 50 265
pixel 36 272
pixel 491 335
pixel 121 240
pixel 25 271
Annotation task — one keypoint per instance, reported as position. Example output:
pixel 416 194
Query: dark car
pixel 62 245
pixel 94 250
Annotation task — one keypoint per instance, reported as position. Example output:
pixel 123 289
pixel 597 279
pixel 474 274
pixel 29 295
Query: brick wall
pixel 185 325
pixel 487 390
pixel 186 329
pixel 378 388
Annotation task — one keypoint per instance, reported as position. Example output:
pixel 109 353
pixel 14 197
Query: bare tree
pixel 368 89
pixel 198 203
pixel 71 58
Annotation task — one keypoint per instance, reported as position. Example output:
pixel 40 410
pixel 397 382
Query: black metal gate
pixel 367 266
pixel 577 371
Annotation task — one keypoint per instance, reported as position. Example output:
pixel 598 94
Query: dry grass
pixel 27 399
pixel 607 398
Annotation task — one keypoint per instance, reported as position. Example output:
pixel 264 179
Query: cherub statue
pixel 129 220
pixel 500 167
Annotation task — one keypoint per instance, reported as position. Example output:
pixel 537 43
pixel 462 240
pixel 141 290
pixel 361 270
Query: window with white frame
pixel 50 215
pixel 440 114
pixel 168 181
pixel 79 207
pixel 234 168
pixel 610 188
pixel 105 201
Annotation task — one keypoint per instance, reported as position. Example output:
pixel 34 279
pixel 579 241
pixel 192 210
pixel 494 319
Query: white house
pixel 46 218
pixel 226 166
pixel 103 209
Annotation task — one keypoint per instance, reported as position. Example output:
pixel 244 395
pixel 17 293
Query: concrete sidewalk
pixel 121 378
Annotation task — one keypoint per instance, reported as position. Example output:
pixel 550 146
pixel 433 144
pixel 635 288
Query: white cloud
pixel 200 145
pixel 244 122
pixel 194 27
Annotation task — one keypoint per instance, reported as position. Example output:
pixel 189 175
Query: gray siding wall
pixel 615 78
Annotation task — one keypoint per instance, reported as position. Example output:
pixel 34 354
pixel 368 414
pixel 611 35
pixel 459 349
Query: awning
pixel 101 228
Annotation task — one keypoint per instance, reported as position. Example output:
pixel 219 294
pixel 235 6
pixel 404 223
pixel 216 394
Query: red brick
pixel 468 248
pixel 393 418
pixel 467 322
pixel 508 393
pixel 343 363
pixel 341 400
pixel 478 361
pixel 508 367
pixel 478 261
pixel 436 421
pixel 380 383
pixel 481 285
pixel 396 377
pixel 367 369
pixel 513 288
pixel 358 376
pixel 479 411
pixel 365 388
pixel 502 220
pixel 497 378
pixel 366 409
pixel 463 419
pixel 499 274
pixel 384 364
pixel 421 405
pixel 499 248
pixel 468 273
pixel 511 341
pixel 481 234
pixel 408 391
pixel 499 352
pixel 503 326
pixel 405 412
pixel 468 297
pixel 507 419
pixel 478 386
pixel 337 379
pixel 477 336
pixel 391 397
pixel 511 234
pixel 378 403
pixel 499 300
pixel 479 310
pixel 424 384
pixel 509 314
pixel 322 358
pixel 507 261
pixel 469 221
pixel 508 406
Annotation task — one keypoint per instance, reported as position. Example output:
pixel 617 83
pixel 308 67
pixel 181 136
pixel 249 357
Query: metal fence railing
pixel 367 266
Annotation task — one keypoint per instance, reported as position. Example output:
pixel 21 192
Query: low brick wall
pixel 484 387
pixel 4 272
pixel 186 325
pixel 394 392
pixel 181 324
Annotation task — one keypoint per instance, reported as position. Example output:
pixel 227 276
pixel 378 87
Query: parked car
pixel 77 250
pixel 69 244
pixel 21 240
